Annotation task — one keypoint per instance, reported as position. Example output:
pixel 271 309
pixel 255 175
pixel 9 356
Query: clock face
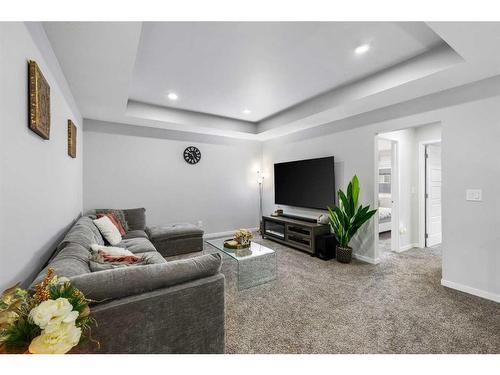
pixel 192 155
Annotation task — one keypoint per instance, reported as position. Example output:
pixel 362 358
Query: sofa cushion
pixel 84 233
pixel 181 230
pixel 135 234
pixel 137 245
pixel 72 260
pixel 119 283
pixel 136 218
pixel 153 257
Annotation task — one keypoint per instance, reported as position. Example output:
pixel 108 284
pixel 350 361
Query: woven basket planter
pixel 344 254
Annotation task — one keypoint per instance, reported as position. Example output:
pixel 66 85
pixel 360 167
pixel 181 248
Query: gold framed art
pixel 39 101
pixel 71 139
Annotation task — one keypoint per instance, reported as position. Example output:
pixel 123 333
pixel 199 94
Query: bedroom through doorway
pixel 387 195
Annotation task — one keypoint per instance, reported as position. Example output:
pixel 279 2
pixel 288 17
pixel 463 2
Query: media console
pixel 293 232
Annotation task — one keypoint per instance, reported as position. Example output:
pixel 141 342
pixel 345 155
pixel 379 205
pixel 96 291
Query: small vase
pixel 344 254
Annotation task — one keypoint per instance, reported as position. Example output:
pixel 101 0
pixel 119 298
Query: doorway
pixel 387 195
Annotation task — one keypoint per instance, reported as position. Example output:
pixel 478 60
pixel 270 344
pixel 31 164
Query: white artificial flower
pixel 52 312
pixel 62 280
pixel 58 339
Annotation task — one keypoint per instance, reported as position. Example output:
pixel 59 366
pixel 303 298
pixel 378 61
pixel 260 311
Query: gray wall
pixel 40 185
pixel 130 166
pixel 471 230
pixel 470 139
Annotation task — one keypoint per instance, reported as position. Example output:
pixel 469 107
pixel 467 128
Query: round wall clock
pixel 192 155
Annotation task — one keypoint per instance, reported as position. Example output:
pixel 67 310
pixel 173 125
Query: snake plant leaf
pixel 343 218
pixel 350 201
pixel 345 203
pixel 355 190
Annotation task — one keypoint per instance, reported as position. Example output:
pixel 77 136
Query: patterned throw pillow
pixel 114 220
pixel 118 213
pixel 100 261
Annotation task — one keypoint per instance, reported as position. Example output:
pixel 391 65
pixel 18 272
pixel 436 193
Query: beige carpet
pixel 397 306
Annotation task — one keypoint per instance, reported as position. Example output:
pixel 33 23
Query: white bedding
pixel 384 213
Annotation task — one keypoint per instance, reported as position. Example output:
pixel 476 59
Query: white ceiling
pixel 221 68
pixel 106 66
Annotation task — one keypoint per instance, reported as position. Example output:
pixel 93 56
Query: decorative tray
pixel 233 244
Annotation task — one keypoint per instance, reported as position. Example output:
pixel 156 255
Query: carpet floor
pixel 397 306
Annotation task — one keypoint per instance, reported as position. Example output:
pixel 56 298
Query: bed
pixel 384 219
pixel 384 213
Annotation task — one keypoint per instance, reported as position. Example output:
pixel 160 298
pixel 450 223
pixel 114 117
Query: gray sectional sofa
pixel 163 307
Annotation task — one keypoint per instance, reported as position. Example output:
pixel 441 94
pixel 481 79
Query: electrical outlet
pixel 200 223
pixel 475 195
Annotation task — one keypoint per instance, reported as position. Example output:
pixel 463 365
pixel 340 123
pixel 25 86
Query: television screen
pixel 305 183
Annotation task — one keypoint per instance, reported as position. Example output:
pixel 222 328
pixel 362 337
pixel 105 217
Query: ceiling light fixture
pixel 246 111
pixel 362 49
pixel 172 96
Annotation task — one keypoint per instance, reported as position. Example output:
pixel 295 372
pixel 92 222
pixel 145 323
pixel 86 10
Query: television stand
pixel 298 233
pixel 300 218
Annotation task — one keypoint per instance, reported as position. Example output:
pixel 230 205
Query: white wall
pixel 129 166
pixel 470 139
pixel 471 230
pixel 41 186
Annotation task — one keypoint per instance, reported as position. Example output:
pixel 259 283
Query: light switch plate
pixel 475 195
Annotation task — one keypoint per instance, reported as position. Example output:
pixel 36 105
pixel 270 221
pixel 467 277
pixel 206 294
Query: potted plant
pixel 346 218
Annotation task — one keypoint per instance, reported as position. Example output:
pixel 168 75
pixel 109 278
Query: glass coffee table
pixel 256 264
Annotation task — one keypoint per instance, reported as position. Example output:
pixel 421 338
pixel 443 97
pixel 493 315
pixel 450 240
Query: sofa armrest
pixel 184 318
pixel 123 282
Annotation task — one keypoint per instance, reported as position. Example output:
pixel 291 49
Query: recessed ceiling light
pixel 172 96
pixel 362 49
pixel 246 111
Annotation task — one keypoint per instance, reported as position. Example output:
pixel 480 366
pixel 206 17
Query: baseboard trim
pixel 366 259
pixel 209 236
pixel 470 290
pixel 407 247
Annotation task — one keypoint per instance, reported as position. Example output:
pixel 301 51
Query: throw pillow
pixel 115 221
pixel 108 230
pixel 100 262
pixel 111 250
pixel 120 215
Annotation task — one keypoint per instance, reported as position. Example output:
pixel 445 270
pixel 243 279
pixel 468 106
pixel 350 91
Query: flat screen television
pixel 305 183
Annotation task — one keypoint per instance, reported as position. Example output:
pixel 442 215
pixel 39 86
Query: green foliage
pixel 348 217
pixel 18 335
pixel 72 294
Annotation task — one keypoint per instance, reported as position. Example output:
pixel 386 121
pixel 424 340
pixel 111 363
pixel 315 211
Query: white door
pixel 433 195
pixel 395 196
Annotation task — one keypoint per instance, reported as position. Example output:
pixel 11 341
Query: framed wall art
pixel 39 101
pixel 71 139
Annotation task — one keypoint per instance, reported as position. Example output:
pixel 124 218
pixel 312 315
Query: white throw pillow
pixel 108 230
pixel 111 250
